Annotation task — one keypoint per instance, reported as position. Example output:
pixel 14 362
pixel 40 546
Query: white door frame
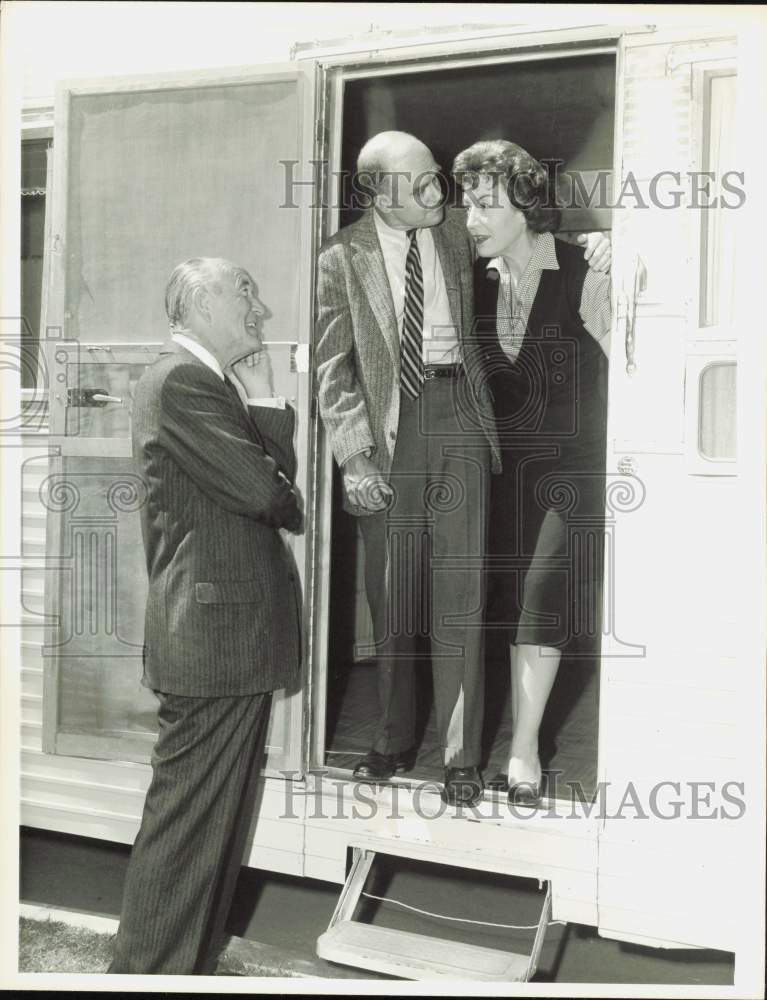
pixel 357 60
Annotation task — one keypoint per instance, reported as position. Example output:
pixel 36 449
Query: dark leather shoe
pixel 463 786
pixel 377 766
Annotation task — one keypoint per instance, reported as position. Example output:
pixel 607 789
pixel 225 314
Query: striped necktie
pixel 411 347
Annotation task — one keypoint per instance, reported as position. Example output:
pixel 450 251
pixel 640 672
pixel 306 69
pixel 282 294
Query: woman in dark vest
pixel 544 319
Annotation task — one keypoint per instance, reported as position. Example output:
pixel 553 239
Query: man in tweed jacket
pixel 222 616
pixel 416 471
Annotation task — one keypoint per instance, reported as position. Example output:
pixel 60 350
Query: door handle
pixel 638 285
pixel 90 397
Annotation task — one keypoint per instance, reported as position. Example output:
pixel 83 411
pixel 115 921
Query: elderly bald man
pixel 222 618
pixel 403 397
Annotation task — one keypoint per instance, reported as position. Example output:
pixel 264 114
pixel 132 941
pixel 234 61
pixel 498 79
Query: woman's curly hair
pixel 526 180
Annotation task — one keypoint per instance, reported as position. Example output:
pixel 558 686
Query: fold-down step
pixel 417 956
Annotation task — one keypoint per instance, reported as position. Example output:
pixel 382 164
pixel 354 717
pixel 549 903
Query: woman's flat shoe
pixel 525 793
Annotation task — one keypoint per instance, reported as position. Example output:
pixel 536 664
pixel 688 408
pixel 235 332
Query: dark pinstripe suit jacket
pixel 222 614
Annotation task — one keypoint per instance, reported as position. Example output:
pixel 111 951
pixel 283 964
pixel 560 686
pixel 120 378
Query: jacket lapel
pixel 368 263
pixel 451 274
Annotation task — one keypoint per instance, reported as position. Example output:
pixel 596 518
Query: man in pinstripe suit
pixel 222 616
pixel 415 453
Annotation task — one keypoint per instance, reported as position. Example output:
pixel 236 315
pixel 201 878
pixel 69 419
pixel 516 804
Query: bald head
pixel 390 151
pixel 404 177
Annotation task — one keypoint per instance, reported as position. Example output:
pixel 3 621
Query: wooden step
pixel 416 956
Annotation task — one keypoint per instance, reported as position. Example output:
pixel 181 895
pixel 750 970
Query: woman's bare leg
pixel 533 670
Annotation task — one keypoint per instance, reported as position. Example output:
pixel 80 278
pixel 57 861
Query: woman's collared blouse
pixel 515 304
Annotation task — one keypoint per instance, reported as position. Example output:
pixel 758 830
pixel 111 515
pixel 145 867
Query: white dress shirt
pixel 204 355
pixel 441 345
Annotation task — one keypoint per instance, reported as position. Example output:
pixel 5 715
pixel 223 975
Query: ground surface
pixel 290 913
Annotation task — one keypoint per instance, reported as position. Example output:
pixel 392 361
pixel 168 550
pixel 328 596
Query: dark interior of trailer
pixel 558 109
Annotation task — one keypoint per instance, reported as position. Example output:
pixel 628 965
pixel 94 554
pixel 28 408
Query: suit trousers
pixel 425 575
pixel 187 855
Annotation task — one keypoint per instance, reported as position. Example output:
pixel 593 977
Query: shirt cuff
pixel 275 402
pixel 367 452
pixel 595 308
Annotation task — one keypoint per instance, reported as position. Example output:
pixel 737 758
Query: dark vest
pixel 557 385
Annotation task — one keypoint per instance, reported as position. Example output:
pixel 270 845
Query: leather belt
pixel 442 371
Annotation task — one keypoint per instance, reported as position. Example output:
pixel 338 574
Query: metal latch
pixel 90 397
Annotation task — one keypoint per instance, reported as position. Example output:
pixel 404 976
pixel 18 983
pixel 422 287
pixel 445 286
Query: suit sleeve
pixel 202 432
pixel 276 427
pixel 341 401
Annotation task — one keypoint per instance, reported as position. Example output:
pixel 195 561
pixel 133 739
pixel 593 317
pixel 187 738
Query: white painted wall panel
pixel 673 714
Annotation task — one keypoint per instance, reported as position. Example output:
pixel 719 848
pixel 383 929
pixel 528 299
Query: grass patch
pixel 51 946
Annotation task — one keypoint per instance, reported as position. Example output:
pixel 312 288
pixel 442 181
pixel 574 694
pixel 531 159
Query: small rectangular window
pixel 33 184
pixel 718 236
pixel 717 412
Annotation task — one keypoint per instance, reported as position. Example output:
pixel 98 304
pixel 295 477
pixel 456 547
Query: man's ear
pixel 201 303
pixel 382 201
pixel 384 196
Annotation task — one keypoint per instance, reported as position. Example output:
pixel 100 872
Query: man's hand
pixel 598 252
pixel 253 374
pixel 294 519
pixel 365 485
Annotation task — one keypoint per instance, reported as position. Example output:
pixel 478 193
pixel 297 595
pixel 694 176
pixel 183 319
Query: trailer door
pixel 668 869
pixel 149 172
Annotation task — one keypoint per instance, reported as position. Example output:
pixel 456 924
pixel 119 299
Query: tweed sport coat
pixel 357 353
pixel 223 614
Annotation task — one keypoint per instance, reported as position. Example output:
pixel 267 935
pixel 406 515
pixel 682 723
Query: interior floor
pixel 568 734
